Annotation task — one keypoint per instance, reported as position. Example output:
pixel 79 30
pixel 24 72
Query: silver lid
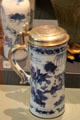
pixel 48 35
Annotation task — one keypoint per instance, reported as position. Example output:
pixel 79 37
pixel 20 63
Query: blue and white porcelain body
pixel 47 68
pixel 14 14
pixel 47 81
pixel 46 46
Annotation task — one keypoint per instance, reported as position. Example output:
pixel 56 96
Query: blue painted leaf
pixel 39 77
pixel 59 101
pixel 39 97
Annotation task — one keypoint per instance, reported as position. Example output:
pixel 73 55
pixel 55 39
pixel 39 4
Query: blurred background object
pixel 12 23
pixel 68 15
pixel 44 10
pixel 32 11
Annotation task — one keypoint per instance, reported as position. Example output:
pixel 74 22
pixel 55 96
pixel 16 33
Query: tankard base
pixel 45 116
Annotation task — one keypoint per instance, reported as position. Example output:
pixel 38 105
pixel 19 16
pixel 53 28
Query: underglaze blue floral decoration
pixel 47 81
pixel 47 70
pixel 47 75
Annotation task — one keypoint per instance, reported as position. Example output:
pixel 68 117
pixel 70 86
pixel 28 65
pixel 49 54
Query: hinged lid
pixel 48 35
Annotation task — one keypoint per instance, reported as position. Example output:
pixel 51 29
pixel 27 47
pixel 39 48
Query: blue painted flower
pixel 50 67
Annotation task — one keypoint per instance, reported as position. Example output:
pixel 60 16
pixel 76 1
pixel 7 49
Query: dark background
pixel 44 10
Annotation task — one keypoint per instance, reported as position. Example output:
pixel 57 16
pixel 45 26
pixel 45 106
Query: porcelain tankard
pixel 47 50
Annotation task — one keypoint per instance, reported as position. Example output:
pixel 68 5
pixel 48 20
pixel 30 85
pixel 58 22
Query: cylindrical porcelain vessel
pixel 14 14
pixel 47 50
pixel 47 85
